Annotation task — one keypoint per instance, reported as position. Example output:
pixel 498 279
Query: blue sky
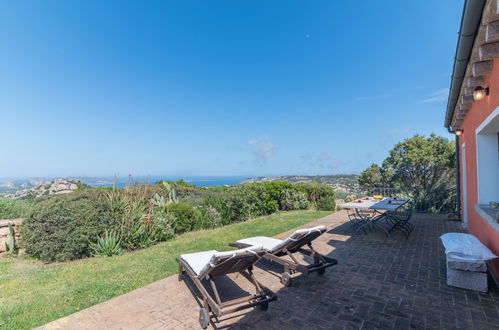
pixel 218 87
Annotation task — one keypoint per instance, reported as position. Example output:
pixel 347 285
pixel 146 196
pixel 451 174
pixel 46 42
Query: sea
pixel 199 181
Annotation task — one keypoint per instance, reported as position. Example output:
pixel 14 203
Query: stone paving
pixel 379 283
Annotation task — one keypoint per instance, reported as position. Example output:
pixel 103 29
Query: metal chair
pixel 400 219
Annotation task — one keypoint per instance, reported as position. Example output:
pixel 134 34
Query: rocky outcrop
pixel 59 186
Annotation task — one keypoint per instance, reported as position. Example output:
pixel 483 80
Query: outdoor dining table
pixel 377 206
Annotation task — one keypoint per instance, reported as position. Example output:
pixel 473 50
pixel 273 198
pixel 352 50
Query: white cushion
pixel 268 243
pixel 465 247
pixel 205 261
pixel 234 253
pixel 198 260
pixel 308 230
pixel 273 245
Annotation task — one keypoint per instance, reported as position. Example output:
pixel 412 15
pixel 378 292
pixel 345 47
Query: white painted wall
pixel 488 159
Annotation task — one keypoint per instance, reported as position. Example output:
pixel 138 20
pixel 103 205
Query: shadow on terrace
pixel 378 283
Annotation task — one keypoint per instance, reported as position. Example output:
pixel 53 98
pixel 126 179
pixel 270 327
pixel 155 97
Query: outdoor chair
pixel 400 219
pixel 276 249
pixel 356 219
pixel 202 267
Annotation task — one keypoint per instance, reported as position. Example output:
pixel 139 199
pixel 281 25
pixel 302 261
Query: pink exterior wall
pixel 477 114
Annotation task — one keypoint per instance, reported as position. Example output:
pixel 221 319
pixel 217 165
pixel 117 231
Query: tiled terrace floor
pixel 378 283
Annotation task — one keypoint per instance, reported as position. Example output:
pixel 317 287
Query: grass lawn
pixel 33 293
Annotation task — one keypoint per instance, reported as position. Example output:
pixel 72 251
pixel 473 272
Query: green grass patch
pixel 33 293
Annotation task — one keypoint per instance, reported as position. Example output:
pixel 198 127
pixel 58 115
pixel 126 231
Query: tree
pixel 420 164
pixel 371 177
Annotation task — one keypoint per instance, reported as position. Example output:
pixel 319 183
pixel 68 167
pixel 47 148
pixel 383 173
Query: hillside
pixel 56 187
pixel 337 181
pixel 10 187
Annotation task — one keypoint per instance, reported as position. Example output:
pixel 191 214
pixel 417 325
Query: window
pixel 487 149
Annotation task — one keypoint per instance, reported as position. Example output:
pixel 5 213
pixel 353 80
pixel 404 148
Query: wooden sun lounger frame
pixel 321 262
pixel 214 304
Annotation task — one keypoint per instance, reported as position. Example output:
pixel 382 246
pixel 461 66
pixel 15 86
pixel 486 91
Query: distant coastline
pixel 337 181
pixel 326 179
pixel 7 186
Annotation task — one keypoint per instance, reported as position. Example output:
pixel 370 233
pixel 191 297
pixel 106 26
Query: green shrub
pixel 63 227
pixel 251 200
pixel 294 200
pixel 107 245
pixel 276 189
pixel 220 205
pixel 161 230
pixel 213 217
pixel 14 208
pixel 326 203
pixel 185 217
pixel 316 191
pixel 321 195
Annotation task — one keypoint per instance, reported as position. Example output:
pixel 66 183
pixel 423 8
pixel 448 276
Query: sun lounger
pixel 204 266
pixel 276 249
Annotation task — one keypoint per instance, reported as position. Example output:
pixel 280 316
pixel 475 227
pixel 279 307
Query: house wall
pixel 477 114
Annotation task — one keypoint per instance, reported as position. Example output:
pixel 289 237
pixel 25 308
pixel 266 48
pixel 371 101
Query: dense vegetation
pixel 11 209
pixel 106 221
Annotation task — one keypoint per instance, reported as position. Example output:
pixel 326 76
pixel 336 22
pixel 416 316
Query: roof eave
pixel 470 23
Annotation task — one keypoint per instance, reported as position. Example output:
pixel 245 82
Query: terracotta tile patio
pixel 378 283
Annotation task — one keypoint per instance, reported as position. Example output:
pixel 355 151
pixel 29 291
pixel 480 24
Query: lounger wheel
pixel 204 319
pixel 321 271
pixel 264 306
pixel 286 279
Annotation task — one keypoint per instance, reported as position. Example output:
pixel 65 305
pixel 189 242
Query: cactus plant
pixel 162 202
pixel 11 247
pixel 173 195
pixel 172 192
pixel 159 201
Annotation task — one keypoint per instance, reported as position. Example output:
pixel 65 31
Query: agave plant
pixel 107 245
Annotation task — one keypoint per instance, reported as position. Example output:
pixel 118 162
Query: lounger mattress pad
pixel 201 262
pixel 272 245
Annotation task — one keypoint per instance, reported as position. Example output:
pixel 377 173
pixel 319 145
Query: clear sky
pixel 218 87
